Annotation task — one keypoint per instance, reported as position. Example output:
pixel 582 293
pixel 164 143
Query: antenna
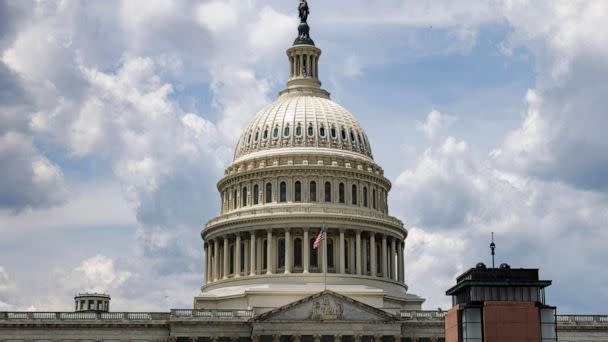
pixel 493 247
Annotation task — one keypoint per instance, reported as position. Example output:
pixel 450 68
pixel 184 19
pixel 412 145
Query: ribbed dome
pixel 303 120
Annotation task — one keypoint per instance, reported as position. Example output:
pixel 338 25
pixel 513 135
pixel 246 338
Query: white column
pixel 216 260
pixel 384 261
pixel 252 267
pixel 226 258
pixel 306 251
pixel 206 247
pixel 364 256
pixel 393 267
pixel 237 256
pixel 372 251
pixel 288 252
pixel 259 255
pixel 341 257
pixel 400 261
pixel 269 252
pixel 351 255
pixel 358 251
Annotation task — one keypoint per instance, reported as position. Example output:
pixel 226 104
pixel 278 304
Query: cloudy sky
pixel 118 118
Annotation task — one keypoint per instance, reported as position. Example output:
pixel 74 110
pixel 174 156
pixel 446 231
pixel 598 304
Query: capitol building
pixel 302 167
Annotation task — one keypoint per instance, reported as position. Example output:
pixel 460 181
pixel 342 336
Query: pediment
pixel 326 306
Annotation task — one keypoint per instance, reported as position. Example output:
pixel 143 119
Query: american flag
pixel 319 238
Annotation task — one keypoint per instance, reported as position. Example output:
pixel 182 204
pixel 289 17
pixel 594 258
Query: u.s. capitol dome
pixel 302 165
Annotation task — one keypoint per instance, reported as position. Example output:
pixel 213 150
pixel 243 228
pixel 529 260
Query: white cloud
pixel 435 121
pixel 217 16
pixel 27 178
pixel 96 274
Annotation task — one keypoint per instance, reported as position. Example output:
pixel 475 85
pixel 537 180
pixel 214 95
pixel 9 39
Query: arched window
pixel 330 253
pixel 333 132
pixel 286 131
pixel 297 192
pixel 327 192
pixel 365 196
pixel 281 251
pixel 249 138
pixel 354 194
pixel 257 136
pixel 313 191
pixel 374 198
pixel 275 132
pixel 231 257
pixel 311 131
pixel 322 132
pixel 283 192
pixel 242 257
pixel 256 194
pixel 265 255
pixel 314 260
pixel 299 131
pixel 234 202
pixel 352 136
pixel 341 193
pixel 343 133
pixel 297 252
pixel 266 134
pixel 359 138
pixel 244 194
pixel 268 192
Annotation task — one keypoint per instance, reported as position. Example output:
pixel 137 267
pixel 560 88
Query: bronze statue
pixel 304 11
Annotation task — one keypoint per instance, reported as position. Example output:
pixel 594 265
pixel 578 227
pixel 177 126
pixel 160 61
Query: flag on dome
pixel 319 238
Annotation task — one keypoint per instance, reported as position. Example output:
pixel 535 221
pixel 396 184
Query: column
pixel 216 260
pixel 226 259
pixel 378 338
pixel 317 338
pixel 341 256
pixel 295 338
pixel 252 268
pixel 337 338
pixel 288 252
pixel 372 251
pixel 358 251
pixel 237 256
pixel 364 256
pixel 393 273
pixel 306 251
pixel 206 248
pixel 400 262
pixel 276 338
pixel 269 252
pixel 259 254
pixel 384 261
pixel 351 255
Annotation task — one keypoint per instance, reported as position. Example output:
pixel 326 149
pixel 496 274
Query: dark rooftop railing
pixel 513 274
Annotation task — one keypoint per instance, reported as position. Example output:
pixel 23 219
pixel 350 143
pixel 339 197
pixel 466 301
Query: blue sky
pixel 117 119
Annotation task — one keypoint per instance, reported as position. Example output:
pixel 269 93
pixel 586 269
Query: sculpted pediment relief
pixel 326 306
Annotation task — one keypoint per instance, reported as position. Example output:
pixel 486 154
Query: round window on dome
pixel 311 131
pixel 286 131
pixel 299 131
pixel 333 132
pixel 322 132
pixel 275 132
